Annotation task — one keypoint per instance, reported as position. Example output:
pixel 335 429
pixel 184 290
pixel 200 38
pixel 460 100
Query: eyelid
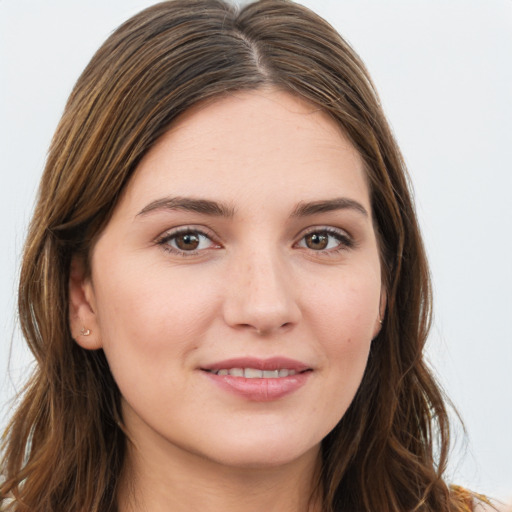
pixel 163 239
pixel 346 241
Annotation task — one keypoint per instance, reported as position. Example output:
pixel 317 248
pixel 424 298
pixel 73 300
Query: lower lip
pixel 260 390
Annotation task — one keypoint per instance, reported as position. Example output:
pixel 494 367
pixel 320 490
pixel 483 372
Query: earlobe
pixel 82 308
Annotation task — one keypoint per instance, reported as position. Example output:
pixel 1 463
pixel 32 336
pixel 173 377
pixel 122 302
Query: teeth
pixel 253 373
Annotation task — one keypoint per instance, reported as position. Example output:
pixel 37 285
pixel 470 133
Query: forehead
pixel 253 146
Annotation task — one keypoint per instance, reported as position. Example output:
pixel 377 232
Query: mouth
pixel 256 368
pixel 254 373
pixel 260 380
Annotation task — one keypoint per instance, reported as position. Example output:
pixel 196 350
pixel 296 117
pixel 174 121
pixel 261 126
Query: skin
pixel 258 284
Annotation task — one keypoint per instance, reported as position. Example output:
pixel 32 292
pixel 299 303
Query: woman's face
pixel 237 287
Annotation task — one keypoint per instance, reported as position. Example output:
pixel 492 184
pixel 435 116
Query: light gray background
pixel 444 73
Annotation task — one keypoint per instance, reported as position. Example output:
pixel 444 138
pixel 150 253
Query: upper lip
pixel 272 363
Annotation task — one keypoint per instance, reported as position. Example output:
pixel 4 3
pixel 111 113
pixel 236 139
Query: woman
pixel 224 284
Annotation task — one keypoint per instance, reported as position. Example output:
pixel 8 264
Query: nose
pixel 261 295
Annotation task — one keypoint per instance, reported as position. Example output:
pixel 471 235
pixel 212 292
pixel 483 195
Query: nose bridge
pixel 261 292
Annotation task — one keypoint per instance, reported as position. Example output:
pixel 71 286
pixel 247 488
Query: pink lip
pixel 273 363
pixel 260 390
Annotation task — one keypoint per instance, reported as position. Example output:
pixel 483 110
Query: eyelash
pixel 343 239
pixel 164 240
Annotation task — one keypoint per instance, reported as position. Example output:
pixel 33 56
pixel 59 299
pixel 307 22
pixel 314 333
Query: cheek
pixel 345 307
pixel 342 314
pixel 151 327
pixel 153 317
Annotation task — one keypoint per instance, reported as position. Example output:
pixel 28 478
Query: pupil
pixel 317 241
pixel 188 241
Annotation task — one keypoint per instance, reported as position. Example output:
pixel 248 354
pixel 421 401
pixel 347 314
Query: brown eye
pixel 328 240
pixel 317 241
pixel 187 241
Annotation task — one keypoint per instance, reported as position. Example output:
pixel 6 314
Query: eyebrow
pixel 189 204
pixel 207 207
pixel 340 203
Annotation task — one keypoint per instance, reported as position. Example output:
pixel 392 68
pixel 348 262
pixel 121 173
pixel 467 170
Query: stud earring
pixel 84 331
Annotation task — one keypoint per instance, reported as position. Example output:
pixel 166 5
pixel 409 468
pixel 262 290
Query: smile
pixel 259 380
pixel 254 373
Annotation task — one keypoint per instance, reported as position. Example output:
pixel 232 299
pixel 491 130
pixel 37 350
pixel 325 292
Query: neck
pixel 179 482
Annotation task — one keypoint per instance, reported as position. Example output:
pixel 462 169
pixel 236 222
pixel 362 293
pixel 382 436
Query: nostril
pixel 263 331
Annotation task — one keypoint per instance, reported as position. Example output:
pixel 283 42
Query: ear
pixel 83 320
pixel 382 312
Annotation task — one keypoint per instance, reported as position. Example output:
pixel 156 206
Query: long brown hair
pixel 65 446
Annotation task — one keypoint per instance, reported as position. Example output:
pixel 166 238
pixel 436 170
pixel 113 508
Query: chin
pixel 256 454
